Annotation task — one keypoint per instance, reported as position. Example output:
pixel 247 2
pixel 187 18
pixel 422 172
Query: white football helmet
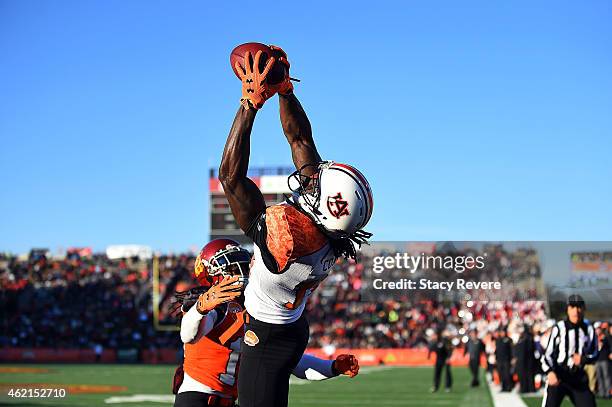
pixel 336 196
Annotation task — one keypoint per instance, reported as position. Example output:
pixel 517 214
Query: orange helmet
pixel 221 258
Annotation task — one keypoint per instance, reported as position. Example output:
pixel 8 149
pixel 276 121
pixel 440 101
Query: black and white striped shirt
pixel 566 339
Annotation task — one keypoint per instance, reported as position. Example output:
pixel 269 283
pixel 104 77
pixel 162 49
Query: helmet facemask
pixel 306 190
pixel 338 198
pixel 224 259
pixel 230 262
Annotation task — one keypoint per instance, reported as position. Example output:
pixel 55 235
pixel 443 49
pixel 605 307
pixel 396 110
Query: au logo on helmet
pixel 337 206
pixel 337 197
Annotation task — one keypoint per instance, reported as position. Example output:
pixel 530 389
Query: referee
pixel 571 345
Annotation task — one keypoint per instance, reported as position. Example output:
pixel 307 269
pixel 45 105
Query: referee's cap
pixel 575 300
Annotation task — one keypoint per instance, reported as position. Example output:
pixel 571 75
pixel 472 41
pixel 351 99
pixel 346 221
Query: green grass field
pixel 148 385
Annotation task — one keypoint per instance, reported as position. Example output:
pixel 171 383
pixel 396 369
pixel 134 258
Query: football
pixel 276 74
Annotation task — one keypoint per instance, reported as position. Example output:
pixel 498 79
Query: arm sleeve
pixel 313 368
pixel 591 351
pixel 548 361
pixel 193 320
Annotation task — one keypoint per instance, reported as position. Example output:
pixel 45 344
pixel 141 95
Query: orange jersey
pixel 213 358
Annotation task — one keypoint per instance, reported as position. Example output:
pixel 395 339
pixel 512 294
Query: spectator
pixel 475 348
pixel 441 346
pixel 526 361
pixel 503 356
pixel 603 363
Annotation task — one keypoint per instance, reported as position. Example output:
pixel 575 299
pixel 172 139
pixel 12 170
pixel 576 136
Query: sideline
pixel 506 399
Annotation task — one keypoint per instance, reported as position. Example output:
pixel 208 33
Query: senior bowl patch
pixel 250 338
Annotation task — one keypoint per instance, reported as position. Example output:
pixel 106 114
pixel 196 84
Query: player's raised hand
pixel 285 86
pixel 255 89
pixel 346 365
pixel 227 290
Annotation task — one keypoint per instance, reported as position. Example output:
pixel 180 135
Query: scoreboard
pixel 272 181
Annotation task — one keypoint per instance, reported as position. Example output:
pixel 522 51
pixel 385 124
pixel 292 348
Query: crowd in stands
pixel 346 312
pixel 339 316
pixel 84 301
pixel 78 302
pixel 89 301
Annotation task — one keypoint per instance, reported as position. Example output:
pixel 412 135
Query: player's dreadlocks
pixel 347 246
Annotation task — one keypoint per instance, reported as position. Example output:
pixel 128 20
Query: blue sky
pixel 473 120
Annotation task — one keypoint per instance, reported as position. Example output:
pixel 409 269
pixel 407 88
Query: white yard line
pixel 139 398
pixel 506 399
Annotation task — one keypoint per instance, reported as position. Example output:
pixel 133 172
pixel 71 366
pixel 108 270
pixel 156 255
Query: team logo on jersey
pixel 250 338
pixel 337 206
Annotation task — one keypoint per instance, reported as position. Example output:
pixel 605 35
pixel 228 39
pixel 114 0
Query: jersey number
pixel 229 376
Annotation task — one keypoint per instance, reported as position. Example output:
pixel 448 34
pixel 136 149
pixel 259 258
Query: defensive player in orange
pixel 212 330
pixel 296 242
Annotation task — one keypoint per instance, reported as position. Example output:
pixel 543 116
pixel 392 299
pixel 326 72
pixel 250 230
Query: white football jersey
pixel 292 256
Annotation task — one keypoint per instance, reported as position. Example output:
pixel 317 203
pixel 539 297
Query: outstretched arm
pixel 312 368
pixel 298 132
pixel 244 197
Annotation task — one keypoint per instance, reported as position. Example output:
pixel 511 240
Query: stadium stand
pixel 84 301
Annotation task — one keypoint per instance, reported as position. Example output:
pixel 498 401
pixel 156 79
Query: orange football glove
pixel 227 290
pixel 255 89
pixel 347 365
pixel 285 87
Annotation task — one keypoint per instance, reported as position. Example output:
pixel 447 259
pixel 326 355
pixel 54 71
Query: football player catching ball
pixel 296 242
pixel 212 329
